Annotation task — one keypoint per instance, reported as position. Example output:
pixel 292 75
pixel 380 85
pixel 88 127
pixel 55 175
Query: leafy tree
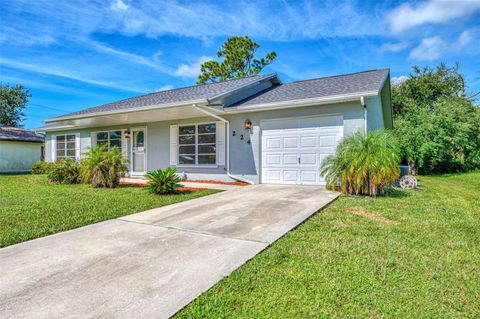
pixel 426 85
pixel 436 123
pixel 238 61
pixel 13 100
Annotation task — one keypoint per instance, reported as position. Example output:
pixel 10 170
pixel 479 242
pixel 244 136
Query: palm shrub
pixel 163 181
pixel 101 167
pixel 363 163
pixel 64 171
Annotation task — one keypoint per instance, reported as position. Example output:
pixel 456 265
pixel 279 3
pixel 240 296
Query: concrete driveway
pixel 150 264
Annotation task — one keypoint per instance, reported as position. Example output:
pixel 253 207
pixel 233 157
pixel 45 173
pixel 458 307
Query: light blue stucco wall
pixel 244 157
pixel 374 113
pixel 18 156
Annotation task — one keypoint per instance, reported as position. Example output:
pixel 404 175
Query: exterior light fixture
pixel 248 124
pixel 126 134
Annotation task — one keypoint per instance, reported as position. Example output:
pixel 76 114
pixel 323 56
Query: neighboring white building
pixel 19 149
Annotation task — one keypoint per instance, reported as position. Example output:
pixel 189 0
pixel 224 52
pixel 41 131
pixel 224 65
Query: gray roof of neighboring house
pixel 180 95
pixel 8 133
pixel 354 83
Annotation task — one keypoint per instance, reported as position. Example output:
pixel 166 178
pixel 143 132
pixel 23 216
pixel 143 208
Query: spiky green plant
pixel 101 167
pixel 63 171
pixel 163 181
pixel 363 163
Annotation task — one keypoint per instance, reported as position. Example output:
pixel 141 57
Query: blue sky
pixel 77 54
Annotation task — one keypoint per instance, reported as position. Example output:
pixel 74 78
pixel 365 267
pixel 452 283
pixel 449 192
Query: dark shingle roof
pixel 180 95
pixel 19 134
pixel 360 82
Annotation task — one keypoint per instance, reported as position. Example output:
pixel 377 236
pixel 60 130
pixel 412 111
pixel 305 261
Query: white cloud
pixel 429 49
pixel 28 82
pixel 164 88
pixel 407 16
pixel 399 79
pixel 127 56
pixel 62 74
pixel 434 47
pixel 119 5
pixel 9 35
pixel 191 70
pixel 268 20
pixel 394 47
pixel 465 38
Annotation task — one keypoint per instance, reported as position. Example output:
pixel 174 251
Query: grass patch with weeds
pixel 341 265
pixel 32 208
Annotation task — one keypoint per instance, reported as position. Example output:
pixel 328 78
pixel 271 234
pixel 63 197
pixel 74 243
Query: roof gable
pixel 354 83
pixel 174 96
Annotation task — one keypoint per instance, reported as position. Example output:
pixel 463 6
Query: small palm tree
pixel 101 167
pixel 163 181
pixel 363 163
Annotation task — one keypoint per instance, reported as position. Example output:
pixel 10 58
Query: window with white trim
pixel 197 144
pixel 66 146
pixel 110 138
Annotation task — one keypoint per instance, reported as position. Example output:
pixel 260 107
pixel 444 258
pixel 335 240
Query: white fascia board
pixel 136 109
pixel 57 128
pixel 300 103
pixel 383 82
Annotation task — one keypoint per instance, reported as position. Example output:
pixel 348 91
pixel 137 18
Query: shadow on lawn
pixel 396 192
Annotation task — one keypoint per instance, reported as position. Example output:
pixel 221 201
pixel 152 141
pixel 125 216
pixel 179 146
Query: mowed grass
pixel 32 208
pixel 340 265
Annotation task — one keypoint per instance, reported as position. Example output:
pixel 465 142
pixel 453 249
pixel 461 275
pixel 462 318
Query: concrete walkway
pixel 150 264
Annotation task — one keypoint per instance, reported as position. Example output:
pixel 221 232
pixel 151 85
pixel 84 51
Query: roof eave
pixel 20 140
pixel 136 109
pixel 302 102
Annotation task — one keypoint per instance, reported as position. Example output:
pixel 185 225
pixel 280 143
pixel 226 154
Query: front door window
pixel 138 151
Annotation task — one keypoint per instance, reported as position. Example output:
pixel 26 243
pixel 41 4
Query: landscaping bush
pixel 64 171
pixel 163 181
pixel 436 121
pixel 41 167
pixel 101 167
pixel 363 164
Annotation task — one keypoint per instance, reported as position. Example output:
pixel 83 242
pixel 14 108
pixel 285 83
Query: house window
pixel 66 147
pixel 197 144
pixel 110 138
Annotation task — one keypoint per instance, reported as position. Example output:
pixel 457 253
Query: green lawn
pixel 31 208
pixel 341 265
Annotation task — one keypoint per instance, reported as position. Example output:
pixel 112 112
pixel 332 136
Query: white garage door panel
pixel 273 143
pixel 293 150
pixel 308 159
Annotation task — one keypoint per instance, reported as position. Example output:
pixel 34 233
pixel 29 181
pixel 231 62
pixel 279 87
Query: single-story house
pixel 256 129
pixel 19 149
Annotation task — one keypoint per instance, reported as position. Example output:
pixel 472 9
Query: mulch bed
pixel 179 189
pixel 216 182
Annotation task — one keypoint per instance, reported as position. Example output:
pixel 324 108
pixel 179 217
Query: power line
pixel 47 107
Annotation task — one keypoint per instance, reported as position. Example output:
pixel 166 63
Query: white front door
pixel 138 158
pixel 293 149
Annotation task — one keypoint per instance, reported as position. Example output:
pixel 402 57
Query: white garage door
pixel 293 149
